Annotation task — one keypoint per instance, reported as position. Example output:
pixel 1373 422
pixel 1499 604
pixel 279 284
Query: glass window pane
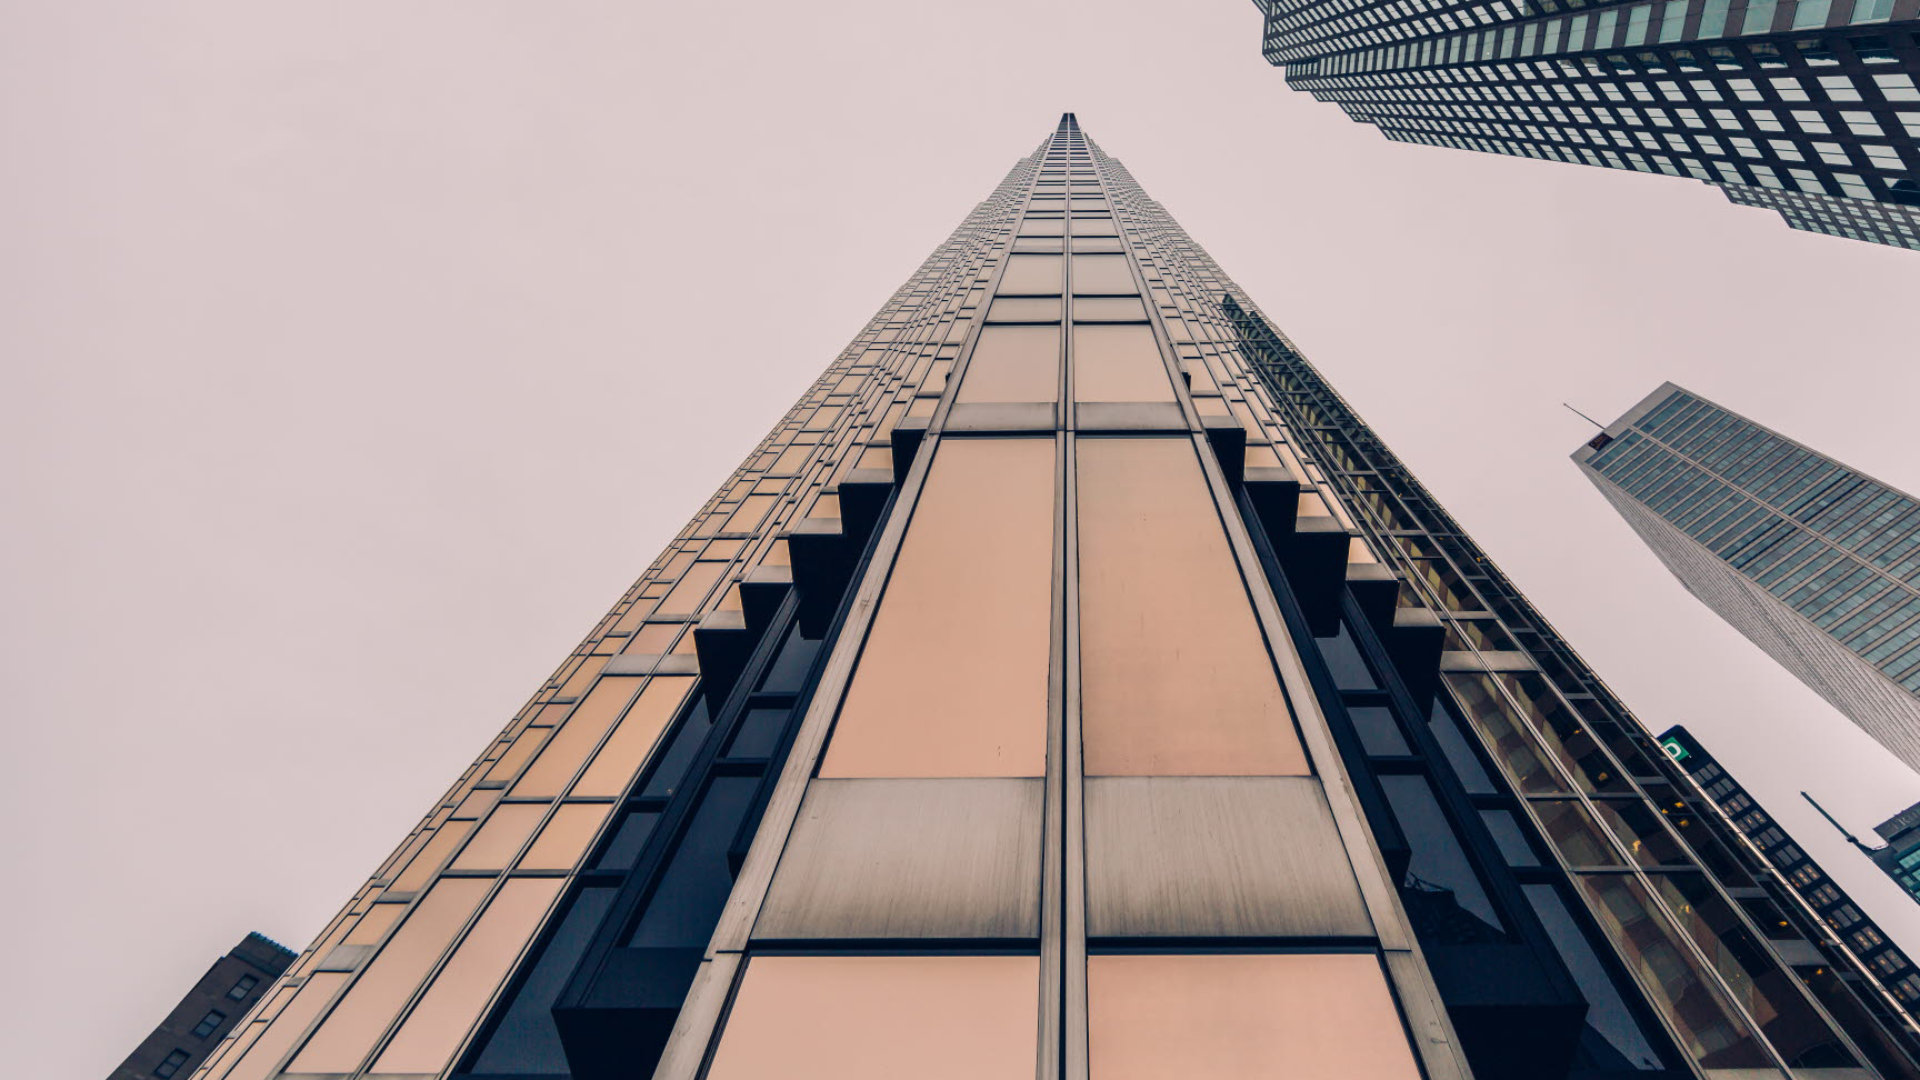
pixel 1379 732
pixel 500 839
pixel 270 1045
pixel 1118 362
pixel 686 596
pixel 1709 1030
pixel 1175 672
pixel 1033 275
pixel 1442 894
pixel 1613 1038
pixel 566 836
pixel 574 740
pixel 1102 275
pixel 621 756
pixel 451 1006
pixel 432 856
pixel 953 678
pixel 1275 1016
pixel 883 1018
pixel 362 1016
pixel 1014 363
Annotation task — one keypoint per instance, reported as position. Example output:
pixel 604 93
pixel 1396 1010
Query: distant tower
pixel 1816 563
pixel 235 983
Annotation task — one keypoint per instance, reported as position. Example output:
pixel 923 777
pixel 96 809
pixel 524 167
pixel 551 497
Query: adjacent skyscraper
pixel 1816 563
pixel 1070 686
pixel 1807 107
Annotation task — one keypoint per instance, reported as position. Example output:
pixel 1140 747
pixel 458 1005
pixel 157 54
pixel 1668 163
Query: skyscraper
pixel 1852 939
pixel 1816 563
pixel 1807 107
pixel 1069 686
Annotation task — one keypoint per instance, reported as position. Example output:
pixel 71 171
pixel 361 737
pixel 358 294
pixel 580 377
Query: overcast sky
pixel 357 356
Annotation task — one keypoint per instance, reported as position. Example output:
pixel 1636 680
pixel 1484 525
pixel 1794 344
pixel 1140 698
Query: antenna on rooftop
pixel 1851 839
pixel 1584 416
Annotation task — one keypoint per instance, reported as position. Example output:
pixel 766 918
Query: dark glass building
pixel 1853 943
pixel 1069 686
pixel 235 983
pixel 1807 107
pixel 1815 562
pixel 1899 855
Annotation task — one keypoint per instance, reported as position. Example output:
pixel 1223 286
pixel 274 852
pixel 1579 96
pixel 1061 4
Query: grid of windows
pixel 1837 552
pixel 1808 108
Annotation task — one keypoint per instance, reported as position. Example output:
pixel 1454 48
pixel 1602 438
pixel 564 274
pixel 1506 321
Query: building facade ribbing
pixel 1816 563
pixel 1806 107
pixel 1069 686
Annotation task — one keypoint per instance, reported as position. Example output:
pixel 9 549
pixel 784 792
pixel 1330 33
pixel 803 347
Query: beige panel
pixel 1031 274
pixel 1108 274
pixel 910 859
pixel 1217 856
pixel 567 750
pixel 449 1008
pixel 432 855
pixel 500 839
pixel 621 756
pixel 953 679
pixel 350 1031
pixel 1014 363
pixel 1290 1016
pixel 1118 362
pixel 292 1022
pixel 882 1018
pixel 1175 675
pixel 566 836
pixel 692 588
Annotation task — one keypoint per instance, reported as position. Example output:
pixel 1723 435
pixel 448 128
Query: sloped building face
pixel 1815 562
pixel 1069 686
pixel 1806 107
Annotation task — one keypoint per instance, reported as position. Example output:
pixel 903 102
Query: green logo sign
pixel 1675 749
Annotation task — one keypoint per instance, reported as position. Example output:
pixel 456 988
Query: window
pixel 244 987
pixel 171 1065
pixel 873 1017
pixel 209 1023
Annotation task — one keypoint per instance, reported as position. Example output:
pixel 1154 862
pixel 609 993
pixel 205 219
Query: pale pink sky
pixel 357 355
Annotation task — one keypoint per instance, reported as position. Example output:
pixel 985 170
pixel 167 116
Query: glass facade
pixel 1071 686
pixel 1808 107
pixel 1816 563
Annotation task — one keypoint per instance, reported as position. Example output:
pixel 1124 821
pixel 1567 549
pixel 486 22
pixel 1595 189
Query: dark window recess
pixel 686 743
pixel 686 905
pixel 209 1024
pixel 758 734
pixel 526 1041
pixel 1453 745
pixel 1510 838
pixel 1379 732
pixel 244 987
pixel 1344 662
pixel 1612 1040
pixel 1442 894
pixel 171 1065
pixel 629 838
pixel 789 669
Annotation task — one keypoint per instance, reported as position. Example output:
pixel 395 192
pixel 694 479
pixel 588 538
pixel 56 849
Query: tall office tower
pixel 235 983
pixel 1899 855
pixel 1068 687
pixel 1807 107
pixel 1853 943
pixel 1816 563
